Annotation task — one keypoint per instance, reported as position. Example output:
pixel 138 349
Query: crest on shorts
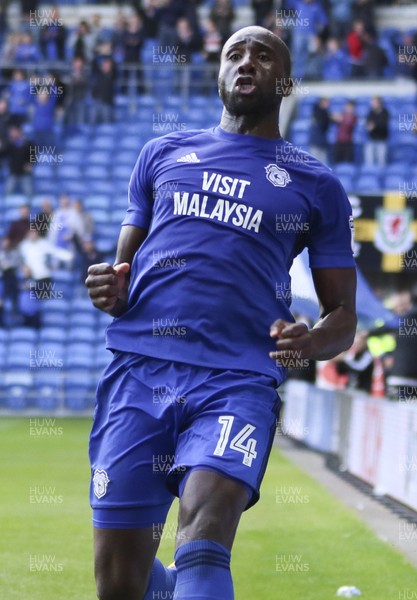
pixel 100 482
pixel 277 176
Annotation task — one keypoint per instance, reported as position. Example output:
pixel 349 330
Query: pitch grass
pixel 301 547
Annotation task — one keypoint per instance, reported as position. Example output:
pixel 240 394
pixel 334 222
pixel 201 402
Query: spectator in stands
pixel 222 13
pixel 98 34
pixel 43 218
pixel 363 10
pixel 319 145
pixel 310 20
pixel 133 37
pixel 407 56
pixel 8 50
pixel 336 63
pixel 377 122
pixel 89 256
pixel 344 148
pixel 132 41
pixel 103 92
pixel 357 363
pixel 261 9
pixel 52 37
pixel 81 42
pixel 167 13
pixel 19 228
pixel 43 120
pixel 5 121
pixel 212 42
pixel 355 45
pixel 36 253
pixel 76 95
pixel 83 225
pixel 402 377
pixel 340 17
pixel 9 264
pixel 19 154
pixel 64 224
pixel 187 40
pixel 19 96
pixel 26 50
pixel 3 22
pixel 314 61
pixel 374 58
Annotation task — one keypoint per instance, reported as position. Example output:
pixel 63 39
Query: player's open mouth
pixel 245 85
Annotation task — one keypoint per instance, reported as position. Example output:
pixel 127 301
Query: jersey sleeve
pixel 140 190
pixel 330 238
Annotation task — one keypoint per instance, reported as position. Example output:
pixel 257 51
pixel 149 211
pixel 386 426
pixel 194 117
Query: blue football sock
pixel 203 572
pixel 161 583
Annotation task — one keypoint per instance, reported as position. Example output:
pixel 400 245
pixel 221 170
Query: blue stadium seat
pixel 48 387
pixel 14 200
pixel 81 334
pixel 82 305
pixel 18 396
pixel 129 143
pixel 99 157
pixel 75 187
pixel 96 186
pixel 79 142
pixel 70 172
pixel 122 172
pixel 60 305
pixel 370 170
pixel 45 186
pixel 4 336
pixel 45 170
pixel 347 182
pixel 126 158
pixel 345 169
pixel 102 357
pixel 79 392
pixel 95 171
pixel 63 283
pixel 393 181
pixel 368 183
pixel 53 319
pixel 20 355
pixel 99 215
pixel 52 334
pixel 23 334
pixel 100 201
pixel 106 129
pixel 74 157
pixel 86 320
pixel 79 355
pixel 103 142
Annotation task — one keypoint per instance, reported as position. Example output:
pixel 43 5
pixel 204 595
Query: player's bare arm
pixel 334 332
pixel 108 285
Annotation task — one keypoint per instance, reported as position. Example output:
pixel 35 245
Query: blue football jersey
pixel 226 213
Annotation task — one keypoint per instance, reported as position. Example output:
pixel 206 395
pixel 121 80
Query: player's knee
pixel 117 588
pixel 207 522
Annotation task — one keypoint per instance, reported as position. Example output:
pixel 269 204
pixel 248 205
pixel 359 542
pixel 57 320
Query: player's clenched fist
pixel 293 341
pixel 108 287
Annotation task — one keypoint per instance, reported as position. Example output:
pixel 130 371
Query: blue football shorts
pixel 156 420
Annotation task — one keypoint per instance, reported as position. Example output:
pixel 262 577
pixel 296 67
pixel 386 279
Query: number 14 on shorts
pixel 240 442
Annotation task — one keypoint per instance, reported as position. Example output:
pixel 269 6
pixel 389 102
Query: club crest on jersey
pixel 100 482
pixel 277 176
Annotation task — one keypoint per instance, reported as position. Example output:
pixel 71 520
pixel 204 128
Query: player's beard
pixel 261 104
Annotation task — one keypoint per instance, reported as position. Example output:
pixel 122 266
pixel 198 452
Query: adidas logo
pixel 189 158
